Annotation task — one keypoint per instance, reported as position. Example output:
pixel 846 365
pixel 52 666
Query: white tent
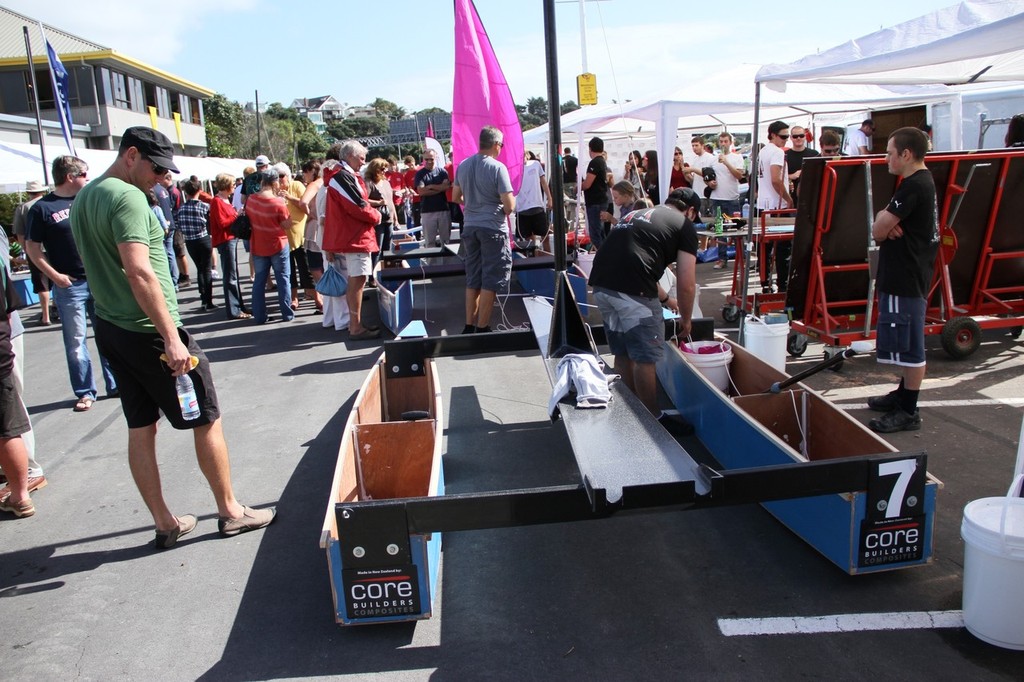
pixel 21 162
pixel 971 42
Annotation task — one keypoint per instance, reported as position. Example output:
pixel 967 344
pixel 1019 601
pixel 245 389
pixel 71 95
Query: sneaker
pixel 167 539
pixel 896 420
pixel 36 483
pixel 469 329
pixel 210 306
pixel 365 335
pixel 718 266
pixel 214 274
pixel 184 281
pixel 676 425
pixel 483 330
pixel 884 403
pixel 252 519
pixel 19 509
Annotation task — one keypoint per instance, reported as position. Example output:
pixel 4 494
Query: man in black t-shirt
pixel 570 166
pixel 907 233
pixel 595 191
pixel 49 227
pixel 625 280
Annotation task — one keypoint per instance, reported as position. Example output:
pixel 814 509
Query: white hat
pixel 33 186
pixel 262 160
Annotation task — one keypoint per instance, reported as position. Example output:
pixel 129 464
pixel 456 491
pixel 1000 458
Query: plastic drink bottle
pixel 187 397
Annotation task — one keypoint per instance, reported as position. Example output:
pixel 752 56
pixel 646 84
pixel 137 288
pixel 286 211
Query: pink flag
pixel 430 127
pixel 482 97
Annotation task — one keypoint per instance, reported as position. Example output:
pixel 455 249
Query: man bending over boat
pixel 625 277
pixel 909 240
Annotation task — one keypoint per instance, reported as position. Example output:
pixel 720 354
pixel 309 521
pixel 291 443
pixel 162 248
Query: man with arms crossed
pixel 908 236
pixel 137 322
pixel 483 187
pixel 625 280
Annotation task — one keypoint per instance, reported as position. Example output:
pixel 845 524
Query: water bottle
pixel 719 226
pixel 187 397
pixel 746 209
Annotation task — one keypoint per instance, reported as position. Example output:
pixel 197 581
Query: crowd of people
pixel 113 252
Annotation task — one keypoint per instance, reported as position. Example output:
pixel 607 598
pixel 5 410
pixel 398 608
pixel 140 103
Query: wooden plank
pixel 396 458
pixel 407 394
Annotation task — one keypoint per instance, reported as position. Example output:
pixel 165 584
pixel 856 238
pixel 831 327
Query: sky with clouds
pixel 401 50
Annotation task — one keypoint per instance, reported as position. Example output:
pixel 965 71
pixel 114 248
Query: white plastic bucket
pixel 714 366
pixel 993 533
pixel 766 341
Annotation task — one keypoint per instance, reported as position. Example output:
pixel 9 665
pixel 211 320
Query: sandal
pixel 84 403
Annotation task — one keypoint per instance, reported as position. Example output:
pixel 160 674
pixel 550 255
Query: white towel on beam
pixel 580 373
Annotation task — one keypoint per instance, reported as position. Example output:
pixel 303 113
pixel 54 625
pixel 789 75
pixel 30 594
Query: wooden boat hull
pixel 750 428
pixel 385 456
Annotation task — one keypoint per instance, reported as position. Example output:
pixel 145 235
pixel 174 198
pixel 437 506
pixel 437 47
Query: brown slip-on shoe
pixel 19 509
pixel 251 519
pixel 167 539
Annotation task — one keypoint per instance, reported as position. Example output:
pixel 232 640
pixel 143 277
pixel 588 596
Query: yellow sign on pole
pixel 586 89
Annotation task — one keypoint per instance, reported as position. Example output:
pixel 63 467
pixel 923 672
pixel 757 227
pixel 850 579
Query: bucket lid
pixel 983 519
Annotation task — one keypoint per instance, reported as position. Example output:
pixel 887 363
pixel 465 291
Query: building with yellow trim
pixel 109 92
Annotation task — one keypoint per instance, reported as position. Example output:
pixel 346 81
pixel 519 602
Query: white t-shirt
pixel 702 161
pixel 767 197
pixel 728 184
pixel 855 139
pixel 530 194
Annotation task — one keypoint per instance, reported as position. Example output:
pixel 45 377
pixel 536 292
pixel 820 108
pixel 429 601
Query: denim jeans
pixel 730 207
pixel 282 273
pixel 76 307
pixel 171 260
pixel 229 279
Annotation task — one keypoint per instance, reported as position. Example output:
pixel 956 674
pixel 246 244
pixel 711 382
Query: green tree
pixel 358 127
pixel 225 127
pixel 387 109
pixel 430 111
pixel 567 107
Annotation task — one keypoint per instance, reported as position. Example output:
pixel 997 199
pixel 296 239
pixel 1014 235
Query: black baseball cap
pixel 685 196
pixel 152 144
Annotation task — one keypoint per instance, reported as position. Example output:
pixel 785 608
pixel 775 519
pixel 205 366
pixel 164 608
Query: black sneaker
pixel 469 329
pixel 896 420
pixel 483 330
pixel 676 425
pixel 884 403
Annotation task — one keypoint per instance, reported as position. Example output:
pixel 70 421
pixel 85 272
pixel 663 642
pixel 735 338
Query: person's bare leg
pixel 624 368
pixel 44 304
pixel 14 462
pixel 146 472
pixel 485 307
pixel 646 381
pixel 472 301
pixel 354 296
pixel 913 377
pixel 212 455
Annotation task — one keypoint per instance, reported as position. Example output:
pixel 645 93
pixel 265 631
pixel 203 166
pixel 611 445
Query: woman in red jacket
pixel 222 214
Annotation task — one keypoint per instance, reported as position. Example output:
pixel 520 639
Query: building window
pixel 184 109
pixel 157 97
pixel 197 110
pixel 136 94
pixel 119 90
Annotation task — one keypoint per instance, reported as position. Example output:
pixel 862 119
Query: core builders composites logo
pixel 893 541
pixel 380 592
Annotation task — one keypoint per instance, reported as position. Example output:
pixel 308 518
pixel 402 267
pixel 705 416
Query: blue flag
pixel 59 79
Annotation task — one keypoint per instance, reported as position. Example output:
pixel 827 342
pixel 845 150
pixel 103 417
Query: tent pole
pixel 752 198
pixel 554 134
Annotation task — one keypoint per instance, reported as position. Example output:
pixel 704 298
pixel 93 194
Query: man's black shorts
pixel 13 416
pixel 145 382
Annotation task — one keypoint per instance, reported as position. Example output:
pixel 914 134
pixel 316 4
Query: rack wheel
pixel 796 344
pixel 1015 332
pixel 961 336
pixel 831 352
pixel 731 313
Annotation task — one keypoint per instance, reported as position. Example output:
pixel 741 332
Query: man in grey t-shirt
pixel 483 187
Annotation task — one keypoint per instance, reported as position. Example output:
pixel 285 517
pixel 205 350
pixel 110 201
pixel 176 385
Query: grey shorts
pixel 633 325
pixel 13 416
pixel 900 330
pixel 488 258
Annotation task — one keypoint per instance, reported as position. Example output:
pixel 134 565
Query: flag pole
pixel 39 120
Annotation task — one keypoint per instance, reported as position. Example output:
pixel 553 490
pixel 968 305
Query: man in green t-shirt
pixel 139 331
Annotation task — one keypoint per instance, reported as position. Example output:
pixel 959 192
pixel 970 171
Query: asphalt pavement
pixel 86 596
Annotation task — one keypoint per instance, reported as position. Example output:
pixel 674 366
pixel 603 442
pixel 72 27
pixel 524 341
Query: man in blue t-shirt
pixel 483 187
pixel 49 226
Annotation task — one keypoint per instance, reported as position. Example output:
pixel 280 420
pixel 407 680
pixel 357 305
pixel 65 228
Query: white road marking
pixel 980 402
pixel 849 622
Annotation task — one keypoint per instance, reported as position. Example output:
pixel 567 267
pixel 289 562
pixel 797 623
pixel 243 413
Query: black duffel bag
pixel 241 227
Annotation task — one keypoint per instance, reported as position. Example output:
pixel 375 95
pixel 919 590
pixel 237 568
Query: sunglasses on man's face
pixel 158 169
pixel 829 150
pixel 799 136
